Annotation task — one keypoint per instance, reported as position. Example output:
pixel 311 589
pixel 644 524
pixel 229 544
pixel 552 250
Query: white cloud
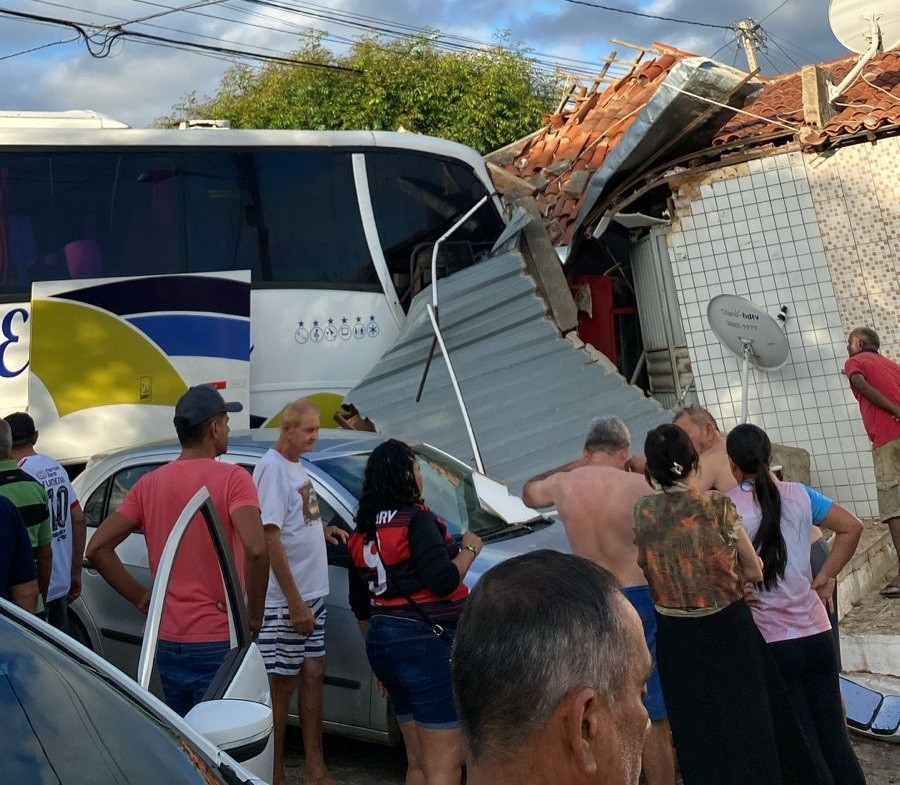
pixel 142 82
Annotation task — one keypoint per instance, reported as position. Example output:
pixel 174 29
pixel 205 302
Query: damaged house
pixel 659 196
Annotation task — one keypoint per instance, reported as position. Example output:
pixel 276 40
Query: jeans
pixel 58 613
pixel 413 664
pixel 187 669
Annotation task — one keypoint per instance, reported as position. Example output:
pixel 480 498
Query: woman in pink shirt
pixel 789 608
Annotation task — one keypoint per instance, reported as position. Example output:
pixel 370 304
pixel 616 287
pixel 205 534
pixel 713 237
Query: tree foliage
pixel 485 98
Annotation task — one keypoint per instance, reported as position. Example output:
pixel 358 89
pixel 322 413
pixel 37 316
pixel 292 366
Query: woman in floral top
pixel 730 717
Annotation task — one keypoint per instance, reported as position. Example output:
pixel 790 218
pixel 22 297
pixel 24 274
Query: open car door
pixel 236 711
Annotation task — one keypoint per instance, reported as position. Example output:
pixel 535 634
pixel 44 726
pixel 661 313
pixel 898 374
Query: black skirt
pixel 732 723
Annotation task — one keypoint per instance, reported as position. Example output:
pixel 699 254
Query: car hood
pixel 552 537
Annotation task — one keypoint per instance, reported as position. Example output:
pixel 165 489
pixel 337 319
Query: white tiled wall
pixel 753 231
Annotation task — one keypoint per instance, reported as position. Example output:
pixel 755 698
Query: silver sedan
pixel 111 626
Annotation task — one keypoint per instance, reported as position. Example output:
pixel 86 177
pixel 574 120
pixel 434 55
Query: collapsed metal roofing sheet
pixel 530 393
pixel 692 102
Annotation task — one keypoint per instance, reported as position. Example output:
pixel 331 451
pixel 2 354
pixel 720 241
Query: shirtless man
pixel 595 497
pixel 709 442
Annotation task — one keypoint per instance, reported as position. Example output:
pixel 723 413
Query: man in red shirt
pixel 875 382
pixel 194 635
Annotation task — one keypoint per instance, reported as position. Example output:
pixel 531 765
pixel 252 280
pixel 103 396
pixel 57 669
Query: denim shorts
pixel 187 669
pixel 413 664
pixel 642 600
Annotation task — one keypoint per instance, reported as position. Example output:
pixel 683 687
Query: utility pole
pixel 748 34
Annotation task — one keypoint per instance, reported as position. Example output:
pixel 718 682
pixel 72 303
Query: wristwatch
pixel 470 548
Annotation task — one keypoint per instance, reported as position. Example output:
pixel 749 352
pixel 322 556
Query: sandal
pixel 892 590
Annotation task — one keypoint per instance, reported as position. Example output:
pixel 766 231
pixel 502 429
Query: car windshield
pixel 448 489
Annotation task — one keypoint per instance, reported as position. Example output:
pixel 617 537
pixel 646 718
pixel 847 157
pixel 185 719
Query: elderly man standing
pixel 292 639
pixel 194 635
pixel 548 668
pixel 69 530
pixel 875 383
pixel 595 498
pixel 29 496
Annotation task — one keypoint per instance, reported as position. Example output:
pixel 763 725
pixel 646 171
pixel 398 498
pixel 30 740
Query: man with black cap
pixel 194 636
pixel 67 518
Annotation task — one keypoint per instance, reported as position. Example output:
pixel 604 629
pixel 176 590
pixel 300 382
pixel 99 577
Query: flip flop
pixel 892 590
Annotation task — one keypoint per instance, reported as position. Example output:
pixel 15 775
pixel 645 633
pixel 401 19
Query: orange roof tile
pixel 872 101
pixel 579 140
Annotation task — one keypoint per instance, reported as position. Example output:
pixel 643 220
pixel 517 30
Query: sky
pixel 137 81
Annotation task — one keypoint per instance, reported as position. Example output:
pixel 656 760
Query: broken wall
pixel 820 235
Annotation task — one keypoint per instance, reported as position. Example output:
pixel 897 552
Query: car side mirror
pixel 243 729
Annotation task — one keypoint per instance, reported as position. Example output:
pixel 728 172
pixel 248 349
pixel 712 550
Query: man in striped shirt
pixel 30 497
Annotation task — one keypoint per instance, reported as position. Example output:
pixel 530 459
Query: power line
pixel 647 16
pixel 102 35
pixel 400 30
pixel 733 40
pixel 542 62
pixel 227 51
pixel 377 25
pixel 82 33
pixel 776 69
pixel 99 42
pixel 580 68
pixel 176 29
pixel 380 27
pixel 42 46
pixel 170 10
pixel 798 49
pixel 789 58
pixel 775 10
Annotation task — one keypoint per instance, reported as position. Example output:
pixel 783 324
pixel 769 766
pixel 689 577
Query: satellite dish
pixel 851 21
pixel 866 27
pixel 750 334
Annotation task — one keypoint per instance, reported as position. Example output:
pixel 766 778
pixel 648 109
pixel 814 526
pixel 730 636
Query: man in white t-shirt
pixel 67 518
pixel 292 638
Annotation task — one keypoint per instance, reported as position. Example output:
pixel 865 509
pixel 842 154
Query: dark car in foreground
pixel 70 718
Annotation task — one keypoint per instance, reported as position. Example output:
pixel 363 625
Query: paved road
pixel 358 763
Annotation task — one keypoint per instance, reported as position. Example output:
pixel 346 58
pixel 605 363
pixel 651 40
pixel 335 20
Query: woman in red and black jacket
pixel 407 592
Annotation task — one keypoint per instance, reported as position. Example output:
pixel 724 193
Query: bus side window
pixel 315 232
pixel 219 198
pixel 148 224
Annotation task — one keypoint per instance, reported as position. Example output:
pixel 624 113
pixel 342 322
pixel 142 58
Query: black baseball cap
pixel 201 403
pixel 22 427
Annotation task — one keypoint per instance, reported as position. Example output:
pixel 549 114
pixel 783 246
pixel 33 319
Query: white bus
pixel 335 229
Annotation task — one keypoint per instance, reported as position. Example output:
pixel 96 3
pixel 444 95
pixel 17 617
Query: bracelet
pixel 469 548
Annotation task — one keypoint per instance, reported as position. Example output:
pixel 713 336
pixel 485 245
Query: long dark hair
pixel 670 455
pixel 389 481
pixel 750 449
